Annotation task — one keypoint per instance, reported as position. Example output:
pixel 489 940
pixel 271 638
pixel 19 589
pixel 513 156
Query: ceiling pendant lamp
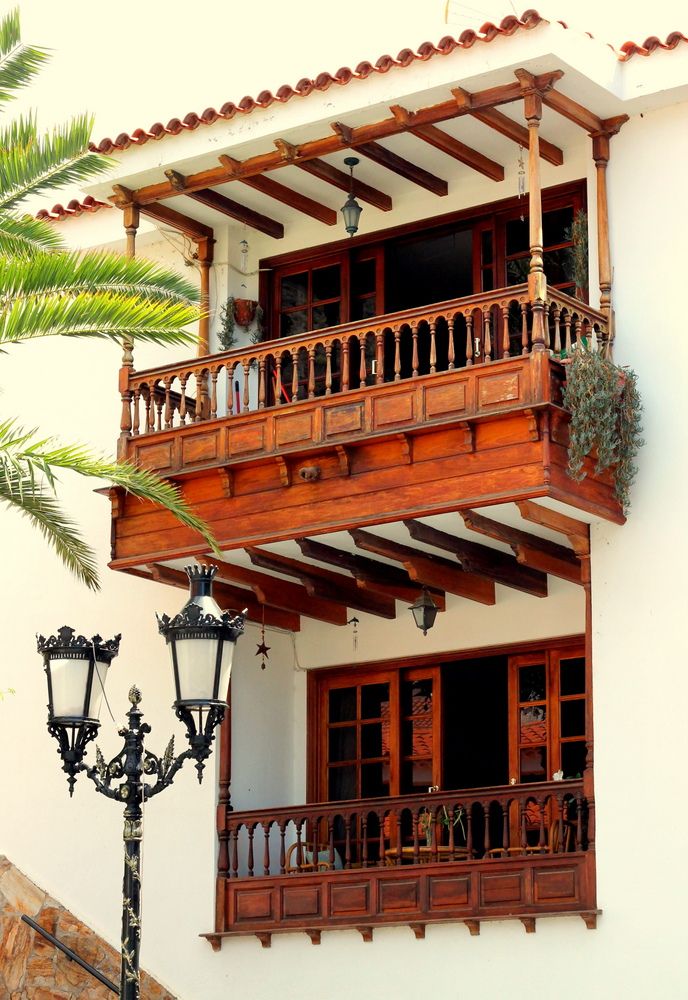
pixel 351 210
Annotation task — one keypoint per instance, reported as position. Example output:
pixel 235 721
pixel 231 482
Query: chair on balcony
pixel 309 862
pixel 551 847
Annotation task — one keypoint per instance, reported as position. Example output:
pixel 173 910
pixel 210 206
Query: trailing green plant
pixel 605 408
pixel 426 821
pixel 578 233
pixel 226 333
pixel 259 333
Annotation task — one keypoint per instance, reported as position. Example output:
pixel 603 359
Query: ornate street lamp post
pixel 201 640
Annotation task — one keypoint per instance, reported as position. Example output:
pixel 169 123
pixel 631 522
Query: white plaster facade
pixel 639 605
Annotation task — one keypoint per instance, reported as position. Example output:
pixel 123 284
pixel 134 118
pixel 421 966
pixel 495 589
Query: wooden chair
pixel 321 863
pixel 552 846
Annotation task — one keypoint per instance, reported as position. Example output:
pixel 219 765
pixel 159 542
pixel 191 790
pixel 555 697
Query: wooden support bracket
pixel 214 940
pixel 284 470
pixel 590 920
pixel 314 935
pixel 533 425
pixel 344 459
pixel 227 479
pixel 366 933
pixel 406 452
pixel 468 444
pixel 418 930
pixel 529 924
pixel 265 938
pixel 473 927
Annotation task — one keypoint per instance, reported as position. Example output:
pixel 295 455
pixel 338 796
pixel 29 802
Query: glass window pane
pixel 517 235
pixel 534 763
pixel 363 277
pixel 573 717
pixel 533 725
pixel 374 780
pixel 293 323
pixel 343 704
pixel 417 737
pixel 517 271
pixel 486 246
pixel 326 283
pixel 416 697
pixel 363 308
pixel 327 315
pixel 532 683
pixel 341 783
pixel 416 776
pixel 294 290
pixel 374 701
pixel 372 741
pixel 572 676
pixel 342 744
pixel 557 226
pixel 488 279
pixel 573 757
pixel 558 265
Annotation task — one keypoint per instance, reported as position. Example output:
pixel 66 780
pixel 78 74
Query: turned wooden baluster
pixel 487 335
pixel 283 848
pixel 251 831
pixel 567 332
pixel 506 340
pixel 379 357
pixel 230 389
pixel 542 836
pixel 468 818
pixel 261 383
pixel 234 873
pixel 266 847
pixel 213 393
pixel 416 839
pixel 397 354
pixel 345 364
pixel 433 347
pixel 278 380
pixel 328 369
pixel 505 829
pixel 159 403
pixel 556 316
pixel 168 403
pixel 579 825
pixel 434 834
pixel 578 325
pixel 362 369
pixel 469 339
pixel 398 827
pixel 182 401
pixel 524 833
pixel 148 409
pixel 311 373
pixel 451 813
pixel 136 399
pixel 414 360
pixel 299 845
pixel 450 343
pixel 525 342
pixel 201 396
pixel 247 370
pixel 294 375
pixel 364 840
pixel 347 842
pixel 330 840
pixel 486 814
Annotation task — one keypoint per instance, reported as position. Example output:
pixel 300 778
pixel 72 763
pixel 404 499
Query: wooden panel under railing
pixel 437 338
pixel 486 853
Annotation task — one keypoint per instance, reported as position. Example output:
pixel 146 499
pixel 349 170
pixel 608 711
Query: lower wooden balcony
pixel 467 855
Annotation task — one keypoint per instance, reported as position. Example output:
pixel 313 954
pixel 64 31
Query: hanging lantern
pixel 351 210
pixel 424 611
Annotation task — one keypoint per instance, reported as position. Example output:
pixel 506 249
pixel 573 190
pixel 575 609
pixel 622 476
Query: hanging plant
pixel 226 333
pixel 578 234
pixel 258 334
pixel 605 408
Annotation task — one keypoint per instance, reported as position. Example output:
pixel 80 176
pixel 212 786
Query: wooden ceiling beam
pixel 317 148
pixel 234 597
pixel 482 560
pixel 510 129
pixel 124 197
pixel 281 594
pixel 530 550
pixel 446 143
pixel 332 175
pixel 240 213
pixel 368 573
pixel 283 194
pixel 392 161
pixel 577 532
pixel 322 583
pixel 427 569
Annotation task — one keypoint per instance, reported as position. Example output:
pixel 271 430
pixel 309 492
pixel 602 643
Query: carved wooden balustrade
pixel 441 337
pixel 521 851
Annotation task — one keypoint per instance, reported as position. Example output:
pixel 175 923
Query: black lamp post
pixel 351 210
pixel 201 639
pixel 424 611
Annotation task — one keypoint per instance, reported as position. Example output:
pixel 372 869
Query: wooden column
pixel 131 224
pixel 205 259
pixel 537 283
pixel 600 153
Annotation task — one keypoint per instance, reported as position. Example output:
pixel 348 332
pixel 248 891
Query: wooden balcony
pixel 441 407
pixel 487 853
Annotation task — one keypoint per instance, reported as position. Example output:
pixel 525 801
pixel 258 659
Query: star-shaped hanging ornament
pixel 263 650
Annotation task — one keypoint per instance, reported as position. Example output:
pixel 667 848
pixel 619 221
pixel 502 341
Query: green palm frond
pixel 102 315
pixel 19 63
pixel 52 160
pixel 38 503
pixel 23 235
pixel 68 274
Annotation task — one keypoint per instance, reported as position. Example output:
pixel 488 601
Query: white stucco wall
pixel 640 678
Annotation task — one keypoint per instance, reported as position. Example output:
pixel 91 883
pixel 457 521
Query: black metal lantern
pixel 424 611
pixel 351 210
pixel 76 668
pixel 201 641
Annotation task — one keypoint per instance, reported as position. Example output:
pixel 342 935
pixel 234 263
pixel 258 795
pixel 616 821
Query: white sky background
pixel 134 62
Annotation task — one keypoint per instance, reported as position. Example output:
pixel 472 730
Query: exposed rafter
pixel 430 570
pixel 123 198
pixel 283 194
pixel 577 532
pixel 482 560
pixel 331 175
pixel 232 597
pixel 392 161
pixel 220 203
pixel 518 133
pixel 446 143
pixel 323 583
pixel 530 550
pixel 369 573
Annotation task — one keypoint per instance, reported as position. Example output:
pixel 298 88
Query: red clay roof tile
pixel 73 208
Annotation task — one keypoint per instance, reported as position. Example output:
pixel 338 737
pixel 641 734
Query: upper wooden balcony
pixel 444 407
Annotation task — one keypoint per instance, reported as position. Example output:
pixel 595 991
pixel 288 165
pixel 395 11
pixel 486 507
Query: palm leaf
pixel 19 64
pixel 53 160
pixel 22 235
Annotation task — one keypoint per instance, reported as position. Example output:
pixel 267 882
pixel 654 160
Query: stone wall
pixel 32 969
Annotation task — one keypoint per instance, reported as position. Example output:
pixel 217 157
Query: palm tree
pixel 47 290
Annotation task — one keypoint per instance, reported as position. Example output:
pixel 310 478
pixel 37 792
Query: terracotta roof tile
pixel 73 208
pixel 650 45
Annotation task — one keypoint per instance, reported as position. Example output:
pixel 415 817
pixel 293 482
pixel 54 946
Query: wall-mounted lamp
pixel 351 210
pixel 424 611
